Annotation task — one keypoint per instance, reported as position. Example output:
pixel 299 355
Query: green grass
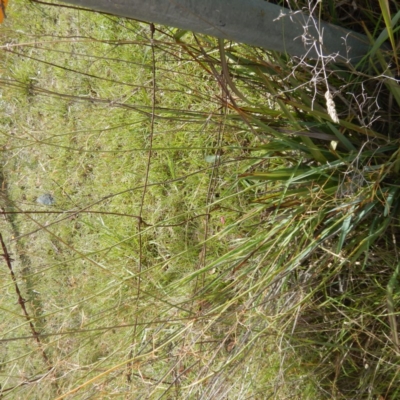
pixel 210 238
pixel 102 285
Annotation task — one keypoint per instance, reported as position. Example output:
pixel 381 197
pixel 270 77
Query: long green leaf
pixel 384 4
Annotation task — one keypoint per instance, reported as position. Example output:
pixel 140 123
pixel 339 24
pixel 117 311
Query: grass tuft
pixel 225 222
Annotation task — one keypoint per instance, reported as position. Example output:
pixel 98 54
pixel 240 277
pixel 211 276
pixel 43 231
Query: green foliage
pixel 215 234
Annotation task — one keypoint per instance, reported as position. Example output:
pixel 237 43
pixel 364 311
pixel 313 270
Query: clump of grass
pixel 325 184
pixel 213 235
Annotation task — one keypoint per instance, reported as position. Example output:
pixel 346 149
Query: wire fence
pixel 120 157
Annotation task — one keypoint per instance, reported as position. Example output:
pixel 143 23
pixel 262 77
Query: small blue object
pixel 46 199
pixel 212 158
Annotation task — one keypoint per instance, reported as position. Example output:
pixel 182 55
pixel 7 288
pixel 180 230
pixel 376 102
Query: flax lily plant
pixel 320 240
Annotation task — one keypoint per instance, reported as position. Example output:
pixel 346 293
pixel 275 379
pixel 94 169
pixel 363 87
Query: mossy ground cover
pixel 211 236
